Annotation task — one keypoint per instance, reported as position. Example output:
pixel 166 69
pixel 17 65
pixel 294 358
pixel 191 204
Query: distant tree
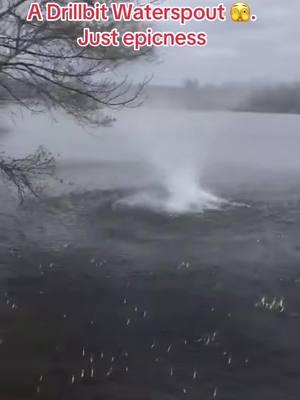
pixel 191 93
pixel 191 84
pixel 281 99
pixel 41 67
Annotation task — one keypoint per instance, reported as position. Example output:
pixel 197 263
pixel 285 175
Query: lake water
pixel 162 263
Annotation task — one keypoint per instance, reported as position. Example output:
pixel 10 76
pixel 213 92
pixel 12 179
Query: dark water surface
pixel 111 303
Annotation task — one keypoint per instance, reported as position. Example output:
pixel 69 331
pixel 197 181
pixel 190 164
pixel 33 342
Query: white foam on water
pixel 179 194
pixel 175 150
pixel 173 203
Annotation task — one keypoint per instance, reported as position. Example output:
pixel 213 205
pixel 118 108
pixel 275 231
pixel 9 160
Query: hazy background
pixel 246 67
pixel 263 51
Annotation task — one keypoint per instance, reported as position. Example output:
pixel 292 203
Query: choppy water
pixel 102 298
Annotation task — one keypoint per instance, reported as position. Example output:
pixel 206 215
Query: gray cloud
pixel 267 50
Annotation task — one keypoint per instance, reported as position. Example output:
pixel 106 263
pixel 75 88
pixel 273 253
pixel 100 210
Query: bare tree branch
pixel 42 68
pixel 44 56
pixel 25 172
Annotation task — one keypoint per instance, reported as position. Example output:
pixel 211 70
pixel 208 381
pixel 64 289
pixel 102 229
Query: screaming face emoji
pixel 240 12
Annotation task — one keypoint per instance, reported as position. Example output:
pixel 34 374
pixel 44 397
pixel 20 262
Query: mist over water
pixel 162 160
pixel 180 192
pixel 176 158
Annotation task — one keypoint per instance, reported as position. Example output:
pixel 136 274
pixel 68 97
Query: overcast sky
pixel 267 50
